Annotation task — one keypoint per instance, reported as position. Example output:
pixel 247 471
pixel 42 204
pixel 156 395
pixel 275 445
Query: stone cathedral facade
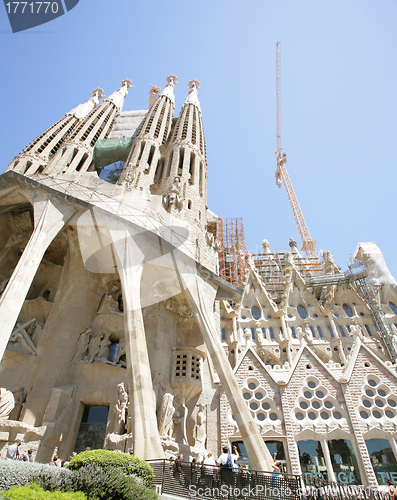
pixel 118 332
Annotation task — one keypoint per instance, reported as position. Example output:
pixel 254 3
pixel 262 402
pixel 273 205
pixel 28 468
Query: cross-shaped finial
pixel 172 79
pixel 193 84
pixel 126 83
pixel 98 92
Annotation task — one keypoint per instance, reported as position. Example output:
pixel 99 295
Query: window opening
pixel 382 459
pixel 344 461
pixel 311 459
pixel 181 158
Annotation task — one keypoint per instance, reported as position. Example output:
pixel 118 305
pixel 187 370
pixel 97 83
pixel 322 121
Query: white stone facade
pixel 117 331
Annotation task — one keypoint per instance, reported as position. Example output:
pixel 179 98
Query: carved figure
pixel 82 346
pixel 288 282
pixel 173 198
pixel 7 403
pixel 180 418
pixel 109 305
pixel 121 410
pixel 166 424
pixel 120 352
pixel 20 340
pixel 157 386
pixel 93 348
pixel 330 268
pixel 200 429
pixel 19 398
pixel 103 353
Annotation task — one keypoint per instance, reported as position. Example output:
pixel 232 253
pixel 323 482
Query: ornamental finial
pixel 193 85
pixel 126 83
pixel 98 93
pixel 171 80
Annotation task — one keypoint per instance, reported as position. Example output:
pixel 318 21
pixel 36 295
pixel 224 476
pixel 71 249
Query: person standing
pixel 228 463
pixel 209 471
pixel 13 451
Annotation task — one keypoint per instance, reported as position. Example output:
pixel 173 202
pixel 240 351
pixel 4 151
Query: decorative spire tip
pixel 171 80
pixel 126 83
pixel 98 92
pixel 193 85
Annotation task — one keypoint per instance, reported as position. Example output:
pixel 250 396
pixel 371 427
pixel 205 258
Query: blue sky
pixel 338 101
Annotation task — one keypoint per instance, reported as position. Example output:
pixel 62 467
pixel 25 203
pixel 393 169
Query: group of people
pixel 14 453
pixel 223 469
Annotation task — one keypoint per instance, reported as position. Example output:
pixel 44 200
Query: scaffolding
pixel 270 267
pixel 230 234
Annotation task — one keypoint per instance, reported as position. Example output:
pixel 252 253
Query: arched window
pixel 256 314
pixel 302 312
pixel 348 310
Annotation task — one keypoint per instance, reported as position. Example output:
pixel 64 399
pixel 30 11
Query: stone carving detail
pixel 173 198
pixel 180 417
pixel 96 349
pixel 109 305
pixel 157 388
pixel 288 282
pixel 82 346
pixel 200 429
pixel 120 353
pixel 121 410
pixel 212 241
pixel 23 336
pixel 7 403
pixel 166 422
pixel 330 268
pixel 20 398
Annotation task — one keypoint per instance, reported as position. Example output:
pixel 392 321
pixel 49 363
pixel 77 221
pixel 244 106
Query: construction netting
pixel 108 151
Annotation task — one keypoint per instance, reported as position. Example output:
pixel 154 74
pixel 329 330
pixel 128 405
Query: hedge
pixel 129 464
pixel 33 491
pixel 19 473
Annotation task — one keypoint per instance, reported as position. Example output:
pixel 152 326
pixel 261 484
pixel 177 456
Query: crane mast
pixel 282 175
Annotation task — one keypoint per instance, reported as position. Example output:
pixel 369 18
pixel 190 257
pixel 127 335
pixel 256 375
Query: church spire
pixel 76 155
pixel 192 97
pixel 186 166
pixel 35 157
pixel 145 156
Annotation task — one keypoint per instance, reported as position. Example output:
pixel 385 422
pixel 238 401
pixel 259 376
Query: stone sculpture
pixel 173 198
pixel 20 340
pixel 120 352
pixel 103 353
pixel 82 346
pixel 121 410
pixel 93 347
pixel 7 403
pixel 19 397
pixel 200 429
pixel 166 423
pixel 109 305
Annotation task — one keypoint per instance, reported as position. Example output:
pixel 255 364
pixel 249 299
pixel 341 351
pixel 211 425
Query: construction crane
pixel 282 175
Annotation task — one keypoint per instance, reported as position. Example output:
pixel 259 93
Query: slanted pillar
pixel 50 216
pixel 200 294
pixel 146 438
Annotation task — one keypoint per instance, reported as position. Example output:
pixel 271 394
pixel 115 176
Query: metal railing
pixel 320 489
pixel 192 480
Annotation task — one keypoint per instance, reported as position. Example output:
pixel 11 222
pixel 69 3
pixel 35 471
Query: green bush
pixel 33 491
pixel 106 458
pixel 19 473
pixel 110 483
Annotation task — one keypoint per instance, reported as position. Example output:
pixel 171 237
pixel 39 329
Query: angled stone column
pixel 200 294
pixel 50 216
pixel 130 258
